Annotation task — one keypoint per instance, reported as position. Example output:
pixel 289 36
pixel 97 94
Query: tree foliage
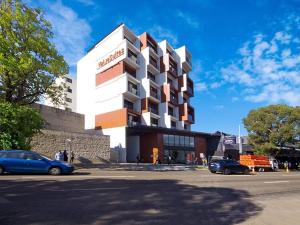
pixel 29 62
pixel 17 125
pixel 272 127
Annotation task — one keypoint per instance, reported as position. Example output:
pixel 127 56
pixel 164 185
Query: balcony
pixel 131 59
pixel 190 91
pixel 154 94
pixel 153 110
pixel 173 99
pixel 191 118
pixel 133 123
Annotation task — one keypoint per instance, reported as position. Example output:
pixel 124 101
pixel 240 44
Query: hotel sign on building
pixel 110 59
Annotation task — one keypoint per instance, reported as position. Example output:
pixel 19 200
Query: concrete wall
pixel 86 147
pixel 61 120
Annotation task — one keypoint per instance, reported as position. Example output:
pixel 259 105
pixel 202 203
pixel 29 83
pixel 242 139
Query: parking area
pixel 120 196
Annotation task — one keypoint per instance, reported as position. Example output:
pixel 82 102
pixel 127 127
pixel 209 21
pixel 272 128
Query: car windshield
pixel 45 157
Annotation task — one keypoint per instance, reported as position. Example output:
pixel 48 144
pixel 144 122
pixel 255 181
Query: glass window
pixel 14 155
pixel 186 141
pixel 177 140
pixel 181 140
pixel 166 139
pixel 171 140
pixel 192 142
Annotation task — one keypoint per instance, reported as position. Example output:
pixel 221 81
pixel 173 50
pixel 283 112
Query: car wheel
pixel 55 171
pixel 213 171
pixel 227 171
pixel 1 170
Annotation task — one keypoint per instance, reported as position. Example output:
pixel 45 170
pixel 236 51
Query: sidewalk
pixel 142 167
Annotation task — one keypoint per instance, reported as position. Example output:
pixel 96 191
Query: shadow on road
pixel 114 201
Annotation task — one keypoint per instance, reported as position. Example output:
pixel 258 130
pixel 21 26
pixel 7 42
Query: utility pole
pixel 240 141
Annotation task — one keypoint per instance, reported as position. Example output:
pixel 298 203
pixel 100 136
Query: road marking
pixel 276 182
pixel 74 177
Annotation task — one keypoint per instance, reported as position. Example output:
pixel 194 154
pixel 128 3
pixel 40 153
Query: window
pixel 177 138
pixel 153 62
pixel 171 111
pixel 171 140
pixel 128 104
pixel 187 141
pixel 151 76
pixel 132 88
pixel 181 140
pixel 69 90
pixel 13 155
pixel 154 122
pixel 153 108
pixel 166 140
pixel 173 124
pixel 192 142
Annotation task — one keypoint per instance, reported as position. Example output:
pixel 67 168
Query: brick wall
pixel 87 148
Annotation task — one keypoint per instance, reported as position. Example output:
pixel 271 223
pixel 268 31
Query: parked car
pixel 227 166
pixel 22 161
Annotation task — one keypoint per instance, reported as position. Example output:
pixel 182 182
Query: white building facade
pixel 134 89
pixel 70 97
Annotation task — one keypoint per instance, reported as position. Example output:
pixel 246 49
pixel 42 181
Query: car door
pixel 35 163
pixel 13 162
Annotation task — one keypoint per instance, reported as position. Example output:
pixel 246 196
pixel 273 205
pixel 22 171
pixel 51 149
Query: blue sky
pixel 246 53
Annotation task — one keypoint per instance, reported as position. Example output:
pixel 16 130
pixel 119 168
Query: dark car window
pixel 13 155
pixel 31 156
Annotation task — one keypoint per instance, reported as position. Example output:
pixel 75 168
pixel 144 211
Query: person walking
pixel 169 159
pixel 72 157
pixel 65 156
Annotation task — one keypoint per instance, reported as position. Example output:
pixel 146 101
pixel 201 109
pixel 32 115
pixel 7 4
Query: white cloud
pixel 201 87
pixel 160 33
pixel 189 19
pixel 71 33
pixel 86 2
pixel 268 69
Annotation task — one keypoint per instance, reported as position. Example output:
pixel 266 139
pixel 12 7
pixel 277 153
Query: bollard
pixel 253 169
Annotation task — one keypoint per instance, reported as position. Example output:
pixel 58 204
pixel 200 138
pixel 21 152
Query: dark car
pixel 21 161
pixel 227 166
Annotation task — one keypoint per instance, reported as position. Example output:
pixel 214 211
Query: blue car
pixel 20 161
pixel 227 166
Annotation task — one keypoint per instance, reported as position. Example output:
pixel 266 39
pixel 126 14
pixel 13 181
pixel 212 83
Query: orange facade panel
pixel 112 119
pixel 110 73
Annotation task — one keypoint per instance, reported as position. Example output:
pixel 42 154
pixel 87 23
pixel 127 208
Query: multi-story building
pixel 138 91
pixel 70 86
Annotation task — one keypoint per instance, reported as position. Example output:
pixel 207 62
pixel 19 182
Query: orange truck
pixel 256 162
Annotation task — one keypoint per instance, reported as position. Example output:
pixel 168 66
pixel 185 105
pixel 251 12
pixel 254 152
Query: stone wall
pixel 87 148
pixel 61 120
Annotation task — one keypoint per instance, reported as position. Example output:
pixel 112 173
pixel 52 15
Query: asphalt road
pixel 94 196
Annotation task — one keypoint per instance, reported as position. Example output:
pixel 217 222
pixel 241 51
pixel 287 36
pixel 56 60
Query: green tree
pixel 272 127
pixel 29 62
pixel 17 125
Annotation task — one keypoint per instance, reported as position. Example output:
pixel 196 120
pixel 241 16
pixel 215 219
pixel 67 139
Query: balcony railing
pixel 154 94
pixel 132 57
pixel 153 110
pixel 190 90
pixel 173 70
pixel 191 118
pixel 133 123
pixel 189 61
pixel 133 90
pixel 153 63
pixel 173 99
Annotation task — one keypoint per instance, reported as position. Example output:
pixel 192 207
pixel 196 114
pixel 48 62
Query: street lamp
pixel 70 149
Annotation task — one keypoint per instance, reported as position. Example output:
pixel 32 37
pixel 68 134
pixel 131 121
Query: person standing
pixel 57 155
pixel 72 157
pixel 65 156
